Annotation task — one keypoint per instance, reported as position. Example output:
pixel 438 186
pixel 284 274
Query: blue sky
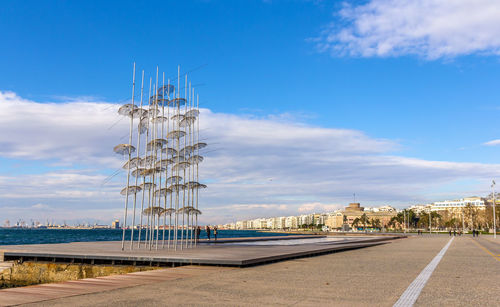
pixel 431 96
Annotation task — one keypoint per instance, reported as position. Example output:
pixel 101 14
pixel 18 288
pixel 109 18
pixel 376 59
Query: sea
pixel 16 236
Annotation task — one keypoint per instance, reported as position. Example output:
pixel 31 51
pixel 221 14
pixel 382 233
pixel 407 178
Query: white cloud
pixel 318 207
pixel 76 132
pixel 40 206
pixel 254 166
pixel 492 143
pixel 428 28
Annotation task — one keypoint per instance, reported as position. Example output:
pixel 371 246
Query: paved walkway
pixel 40 293
pixel 467 275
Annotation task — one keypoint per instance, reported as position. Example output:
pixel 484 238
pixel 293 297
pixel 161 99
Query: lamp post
pixel 430 221
pixel 404 220
pixel 463 222
pixel 494 217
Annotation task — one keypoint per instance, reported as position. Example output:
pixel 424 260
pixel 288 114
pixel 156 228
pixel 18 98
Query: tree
pixel 376 223
pixel 471 215
pixel 412 218
pixel 356 222
pixel 364 219
pixel 392 223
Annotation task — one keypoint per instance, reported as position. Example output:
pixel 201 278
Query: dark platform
pixel 239 252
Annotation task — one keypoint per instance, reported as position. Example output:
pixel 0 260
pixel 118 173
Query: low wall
pixel 32 273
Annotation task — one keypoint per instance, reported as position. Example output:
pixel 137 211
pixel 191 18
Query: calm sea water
pixel 12 236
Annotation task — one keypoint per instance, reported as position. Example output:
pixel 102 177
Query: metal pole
pixel 128 167
pixel 166 169
pixel 494 214
pixel 197 153
pixel 177 158
pixel 463 222
pixel 153 170
pixel 161 160
pixel 137 165
pixel 147 163
pixel 184 172
pixel 430 222
pixel 156 153
pixel 191 190
pixel 142 208
pixel 166 157
pixel 408 221
pixel 404 220
pixel 189 229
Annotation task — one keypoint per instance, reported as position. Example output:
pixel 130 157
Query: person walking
pixel 215 233
pixel 208 232
pixel 473 232
pixel 450 232
pixel 454 232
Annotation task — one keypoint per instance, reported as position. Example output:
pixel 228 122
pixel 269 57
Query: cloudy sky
pixel 304 102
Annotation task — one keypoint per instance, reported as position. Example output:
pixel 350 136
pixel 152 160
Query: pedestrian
pixel 450 232
pixel 454 232
pixel 473 232
pixel 198 231
pixel 215 233
pixel 208 232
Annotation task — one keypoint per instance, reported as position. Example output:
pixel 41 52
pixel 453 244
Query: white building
pixel 386 209
pixel 305 219
pixel 454 205
pixel 320 219
pixel 270 223
pixel 241 225
pixel 421 208
pixel 291 222
pixel 380 209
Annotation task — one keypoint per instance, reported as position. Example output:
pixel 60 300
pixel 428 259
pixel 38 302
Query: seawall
pixel 32 273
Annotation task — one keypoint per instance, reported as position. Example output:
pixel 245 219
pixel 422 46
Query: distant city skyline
pixel 303 103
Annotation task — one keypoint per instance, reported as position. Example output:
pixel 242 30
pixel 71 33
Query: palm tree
pixel 376 223
pixel 356 222
pixel 365 220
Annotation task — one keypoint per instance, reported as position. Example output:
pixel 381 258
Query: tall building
pixel 383 214
pixel 115 224
pixel 291 222
pixel 334 220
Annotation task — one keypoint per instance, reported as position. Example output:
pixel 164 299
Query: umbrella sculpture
pixel 163 157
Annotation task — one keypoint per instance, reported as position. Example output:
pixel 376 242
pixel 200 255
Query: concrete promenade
pixel 241 252
pixel 467 275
